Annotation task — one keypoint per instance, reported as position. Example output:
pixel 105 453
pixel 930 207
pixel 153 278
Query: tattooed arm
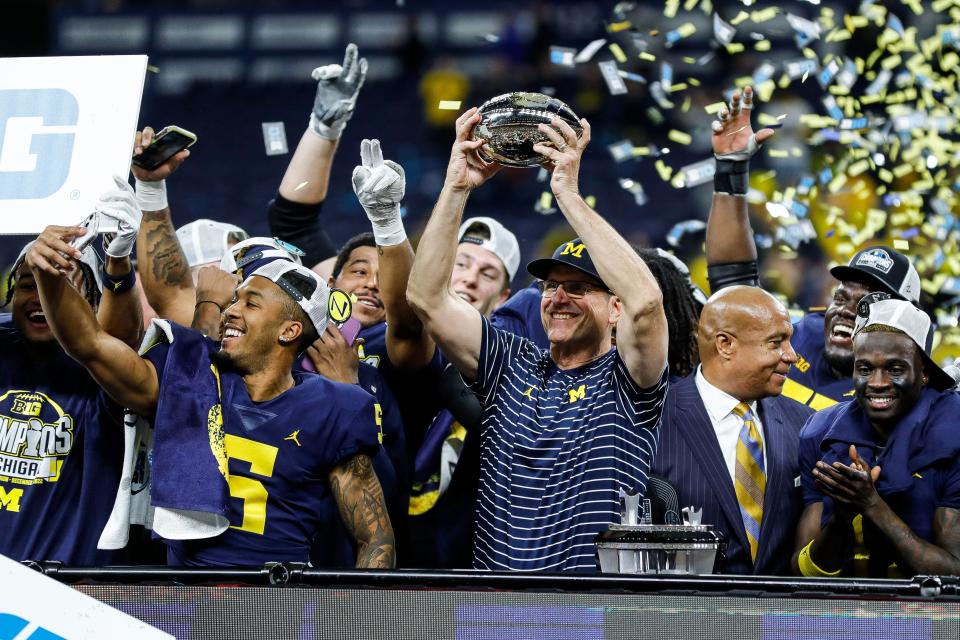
pixel 161 263
pixel 360 499
pixel 916 556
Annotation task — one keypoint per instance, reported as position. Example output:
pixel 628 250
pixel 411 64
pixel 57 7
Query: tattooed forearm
pixel 360 499
pixel 914 554
pixel 167 263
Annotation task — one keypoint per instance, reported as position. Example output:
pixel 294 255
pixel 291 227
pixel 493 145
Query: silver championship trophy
pixel 656 542
pixel 509 125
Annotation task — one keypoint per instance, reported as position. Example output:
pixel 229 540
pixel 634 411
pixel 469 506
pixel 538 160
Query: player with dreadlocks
pixel 61 438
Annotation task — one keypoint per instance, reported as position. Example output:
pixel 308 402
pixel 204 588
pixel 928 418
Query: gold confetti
pixel 617 52
pixel 901 245
pixel 647 56
pixel 740 17
pixel 680 137
pixel 714 108
pixel 617 27
pixel 152 68
pixel 664 170
pixel 449 105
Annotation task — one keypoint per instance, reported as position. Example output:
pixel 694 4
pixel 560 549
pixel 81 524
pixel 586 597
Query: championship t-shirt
pixel 279 455
pixel 556 448
pixel 810 380
pixel 61 453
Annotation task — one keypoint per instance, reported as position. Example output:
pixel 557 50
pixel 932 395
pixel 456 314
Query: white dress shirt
pixel 726 424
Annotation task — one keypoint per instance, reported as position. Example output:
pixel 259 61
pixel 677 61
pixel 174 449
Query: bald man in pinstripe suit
pixel 728 440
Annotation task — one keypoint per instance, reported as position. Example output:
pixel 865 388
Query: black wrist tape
pixel 733 273
pixel 118 284
pixel 732 176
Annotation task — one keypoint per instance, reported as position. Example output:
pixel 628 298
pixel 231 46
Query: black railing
pixel 293 574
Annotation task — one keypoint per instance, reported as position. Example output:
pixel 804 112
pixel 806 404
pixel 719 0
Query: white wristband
pixel 152 196
pixel 389 232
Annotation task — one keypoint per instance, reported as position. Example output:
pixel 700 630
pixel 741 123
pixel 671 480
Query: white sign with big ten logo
pixel 34 607
pixel 66 126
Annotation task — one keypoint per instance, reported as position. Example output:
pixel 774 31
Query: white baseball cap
pixel 881 308
pixel 501 242
pixel 248 255
pixel 206 241
pixel 313 301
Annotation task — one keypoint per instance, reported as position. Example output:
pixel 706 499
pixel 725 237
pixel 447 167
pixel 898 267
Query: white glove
pixel 337 89
pixel 380 186
pixel 120 205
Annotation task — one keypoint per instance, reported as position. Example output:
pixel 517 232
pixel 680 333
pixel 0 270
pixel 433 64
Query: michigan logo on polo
pixel 36 141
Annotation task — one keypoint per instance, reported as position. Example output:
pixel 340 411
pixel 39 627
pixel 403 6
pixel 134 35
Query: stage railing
pixel 295 601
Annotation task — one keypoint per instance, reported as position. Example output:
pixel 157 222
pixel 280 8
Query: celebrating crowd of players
pixel 447 423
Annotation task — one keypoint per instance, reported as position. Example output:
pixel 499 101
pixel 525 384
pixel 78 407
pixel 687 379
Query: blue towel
pixel 189 467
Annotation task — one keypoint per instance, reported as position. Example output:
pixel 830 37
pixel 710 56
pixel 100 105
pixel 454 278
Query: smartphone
pixel 349 330
pixel 167 143
pixel 95 224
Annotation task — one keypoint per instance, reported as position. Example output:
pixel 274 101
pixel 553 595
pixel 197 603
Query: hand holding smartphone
pixel 167 143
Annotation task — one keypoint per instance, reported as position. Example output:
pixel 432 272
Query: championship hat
pixel 206 241
pixel 880 308
pixel 572 254
pixel 885 269
pixel 495 238
pixel 311 296
pixel 249 255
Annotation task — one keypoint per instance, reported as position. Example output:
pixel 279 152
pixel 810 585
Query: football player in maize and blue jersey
pixel 248 439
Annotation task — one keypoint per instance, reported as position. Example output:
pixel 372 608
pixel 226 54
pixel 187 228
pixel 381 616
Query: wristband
pixel 217 304
pixel 118 284
pixel 327 132
pixel 152 196
pixel 732 177
pixel 809 569
pixel 388 230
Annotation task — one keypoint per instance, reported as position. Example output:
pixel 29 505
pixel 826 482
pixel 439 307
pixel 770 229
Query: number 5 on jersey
pixel 254 495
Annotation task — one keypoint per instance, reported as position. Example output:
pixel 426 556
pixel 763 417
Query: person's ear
pixel 726 344
pixel 616 310
pixel 290 332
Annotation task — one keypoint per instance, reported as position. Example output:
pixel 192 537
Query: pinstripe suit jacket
pixel 689 458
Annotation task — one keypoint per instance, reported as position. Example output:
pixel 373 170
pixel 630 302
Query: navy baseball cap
pixel 883 269
pixel 571 254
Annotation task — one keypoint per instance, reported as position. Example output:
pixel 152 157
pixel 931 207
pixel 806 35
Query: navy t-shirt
pixel 810 380
pixel 280 453
pixel 61 453
pixel 520 315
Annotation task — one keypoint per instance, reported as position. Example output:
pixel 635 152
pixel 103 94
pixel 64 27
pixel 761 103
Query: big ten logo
pixel 36 141
pixel 12 627
pixel 576 250
pixel 801 364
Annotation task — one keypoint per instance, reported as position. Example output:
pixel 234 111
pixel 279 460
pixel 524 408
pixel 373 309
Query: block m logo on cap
pixel 35 148
pixel 576 250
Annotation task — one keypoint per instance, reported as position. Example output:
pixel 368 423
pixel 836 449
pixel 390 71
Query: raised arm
pixel 380 186
pixel 642 331
pixel 731 250
pixel 295 214
pixel 164 271
pixel 359 497
pixel 451 321
pixel 129 379
pixel 120 313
